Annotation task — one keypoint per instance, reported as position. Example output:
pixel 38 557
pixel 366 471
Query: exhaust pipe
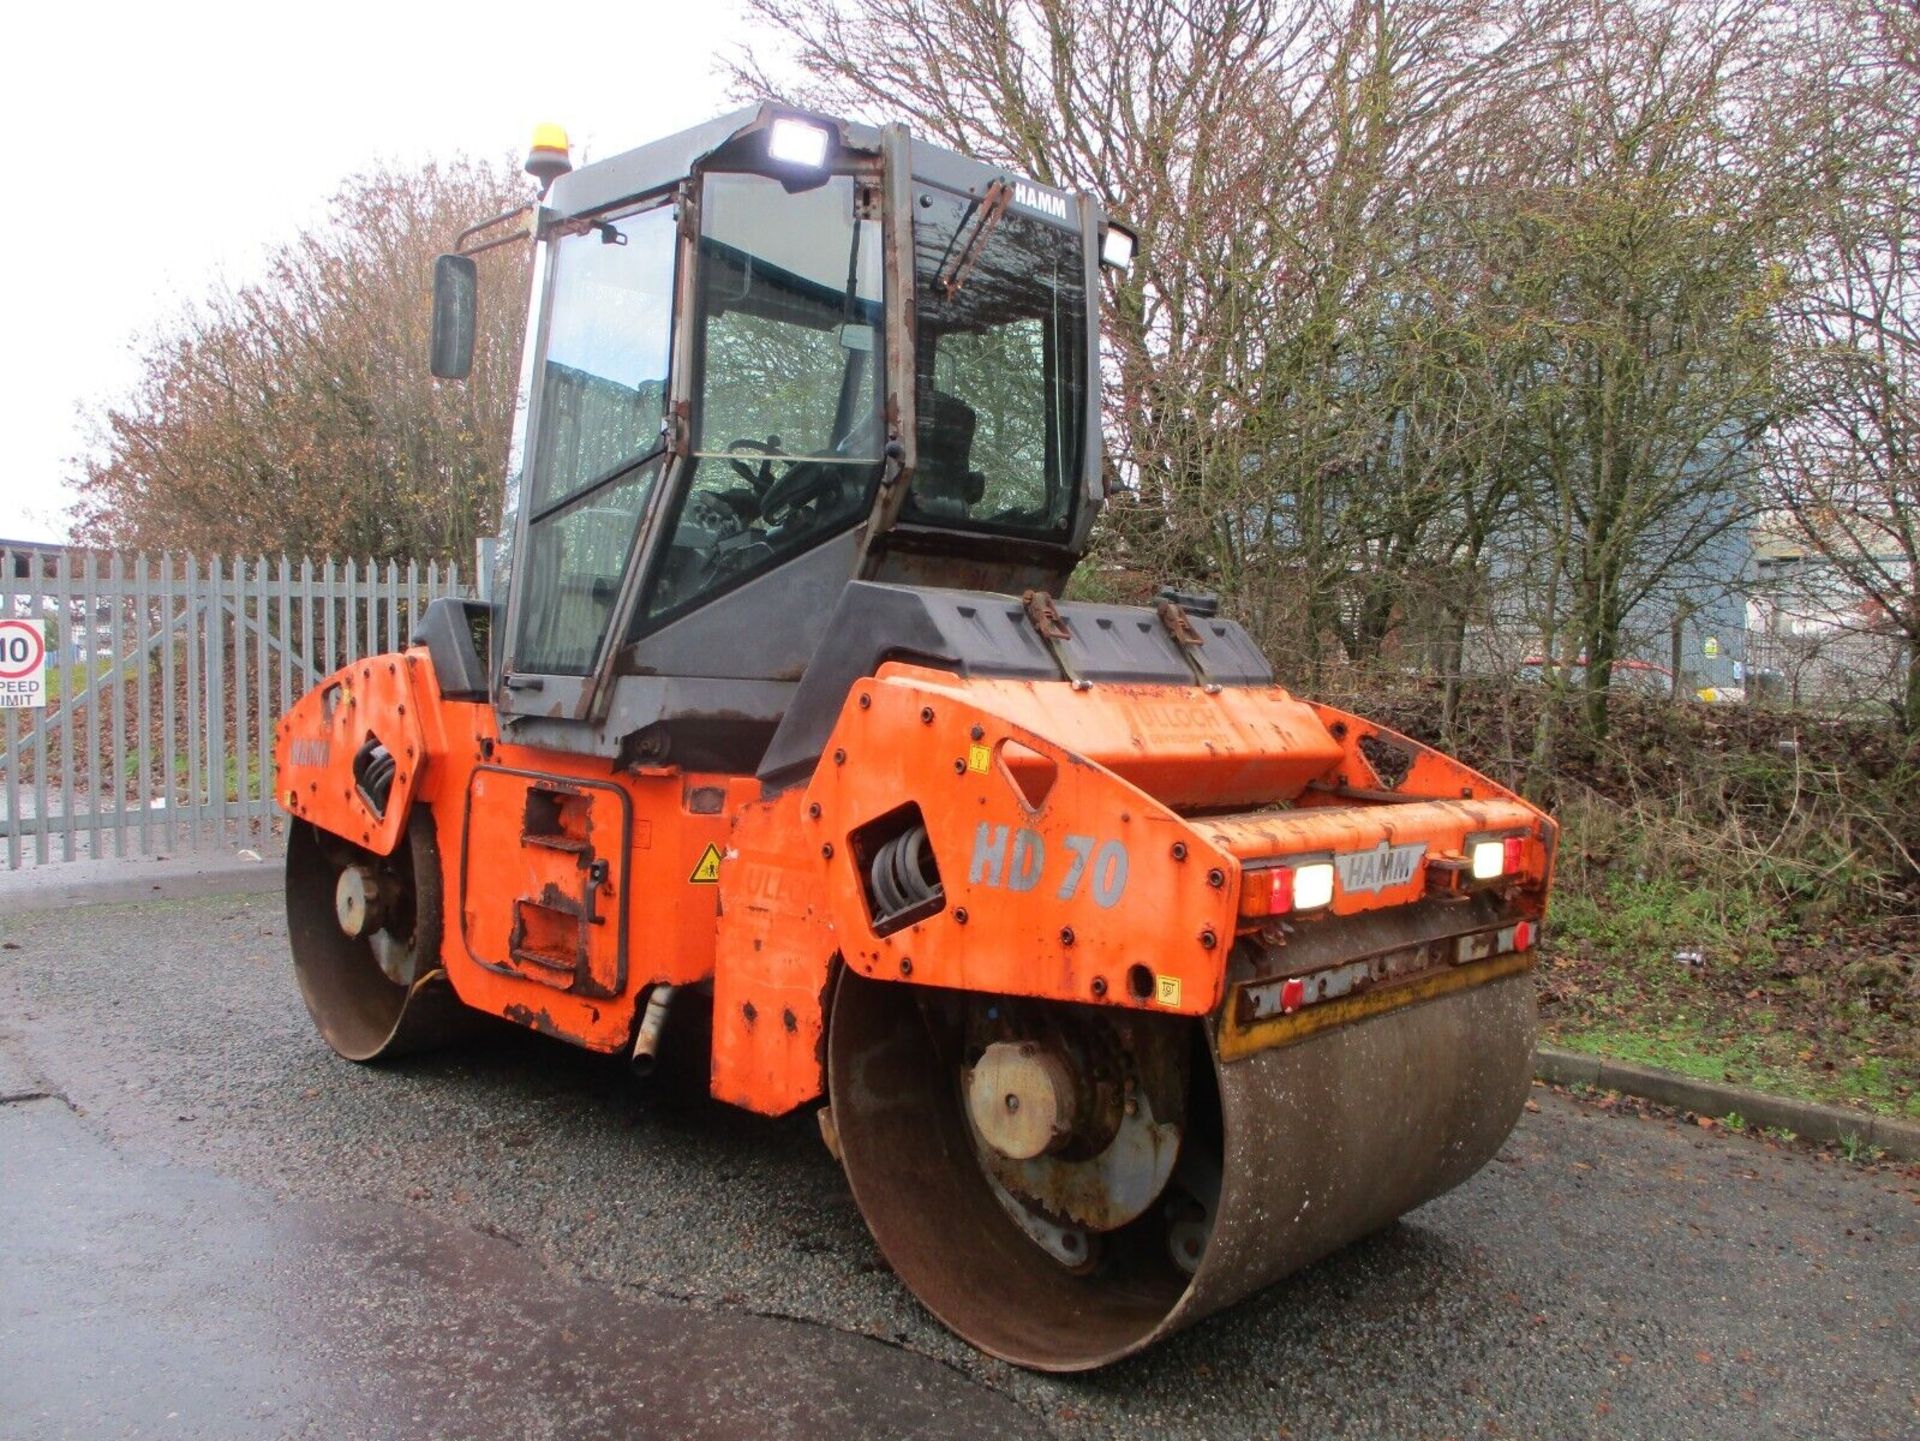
pixel 646 1044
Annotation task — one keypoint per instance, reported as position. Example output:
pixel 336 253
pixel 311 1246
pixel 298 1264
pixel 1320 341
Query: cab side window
pixel 1001 384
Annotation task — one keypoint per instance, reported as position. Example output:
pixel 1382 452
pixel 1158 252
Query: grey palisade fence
pixel 165 675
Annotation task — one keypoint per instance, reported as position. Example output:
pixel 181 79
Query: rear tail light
pixel 1279 890
pixel 1299 888
pixel 1496 857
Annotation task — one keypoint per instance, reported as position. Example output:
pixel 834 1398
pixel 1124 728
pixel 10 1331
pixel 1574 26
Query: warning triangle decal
pixel 707 872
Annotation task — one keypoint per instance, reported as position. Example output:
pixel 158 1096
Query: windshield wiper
pixel 985 215
pixel 574 497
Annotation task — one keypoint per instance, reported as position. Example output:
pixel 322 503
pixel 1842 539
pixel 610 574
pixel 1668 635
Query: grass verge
pixel 1675 946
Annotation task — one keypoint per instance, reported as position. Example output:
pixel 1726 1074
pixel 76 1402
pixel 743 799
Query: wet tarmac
pixel 223 1230
pixel 153 1301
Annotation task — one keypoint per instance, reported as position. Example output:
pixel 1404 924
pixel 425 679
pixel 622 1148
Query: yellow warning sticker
pixel 979 758
pixel 707 872
pixel 1166 990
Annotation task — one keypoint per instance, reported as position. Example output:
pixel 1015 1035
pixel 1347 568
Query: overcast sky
pixel 158 146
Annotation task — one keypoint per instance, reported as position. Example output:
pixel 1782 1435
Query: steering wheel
pixel 805 480
pixel 760 477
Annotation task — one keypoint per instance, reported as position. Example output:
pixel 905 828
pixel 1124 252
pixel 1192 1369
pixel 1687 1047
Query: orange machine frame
pixel 1104 871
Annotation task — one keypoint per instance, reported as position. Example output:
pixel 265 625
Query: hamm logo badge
pixel 1026 193
pixel 1375 870
pixel 312 752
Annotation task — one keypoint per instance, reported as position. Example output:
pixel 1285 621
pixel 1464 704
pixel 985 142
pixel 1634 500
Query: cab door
pixel 590 448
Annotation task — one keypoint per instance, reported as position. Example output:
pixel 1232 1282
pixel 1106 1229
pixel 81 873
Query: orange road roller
pixel 1129 981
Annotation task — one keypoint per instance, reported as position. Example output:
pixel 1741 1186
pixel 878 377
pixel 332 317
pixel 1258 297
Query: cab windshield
pixel 788 415
pixel 1001 383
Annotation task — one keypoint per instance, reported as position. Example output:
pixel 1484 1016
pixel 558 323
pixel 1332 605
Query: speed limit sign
pixel 23 665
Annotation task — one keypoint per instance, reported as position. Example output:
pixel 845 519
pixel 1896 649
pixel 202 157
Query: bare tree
pixel 1649 238
pixel 1845 468
pixel 1298 173
pixel 1165 111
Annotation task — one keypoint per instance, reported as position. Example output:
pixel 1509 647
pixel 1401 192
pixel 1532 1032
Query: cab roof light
pixel 1117 247
pixel 798 142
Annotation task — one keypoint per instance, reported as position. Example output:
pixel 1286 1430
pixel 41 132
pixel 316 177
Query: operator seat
pixel 945 487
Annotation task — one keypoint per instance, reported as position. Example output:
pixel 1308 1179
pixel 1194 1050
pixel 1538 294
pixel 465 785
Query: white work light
pixel 1489 860
pixel 1313 885
pixel 1117 247
pixel 795 142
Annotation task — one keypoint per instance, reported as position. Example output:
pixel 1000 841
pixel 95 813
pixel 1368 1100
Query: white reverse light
pixel 1313 885
pixel 1117 247
pixel 1489 860
pixel 795 142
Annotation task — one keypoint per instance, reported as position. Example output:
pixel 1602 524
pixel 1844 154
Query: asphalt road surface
pixel 206 1214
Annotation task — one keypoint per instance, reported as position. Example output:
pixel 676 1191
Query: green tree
pixel 296 412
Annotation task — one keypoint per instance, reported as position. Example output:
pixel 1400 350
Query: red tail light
pixel 1280 890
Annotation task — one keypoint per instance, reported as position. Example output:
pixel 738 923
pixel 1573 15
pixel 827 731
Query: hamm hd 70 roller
pixel 1131 982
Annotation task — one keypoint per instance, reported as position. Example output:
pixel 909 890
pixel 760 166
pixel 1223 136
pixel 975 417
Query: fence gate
pixel 164 677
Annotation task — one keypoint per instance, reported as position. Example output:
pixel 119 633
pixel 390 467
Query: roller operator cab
pixel 1131 982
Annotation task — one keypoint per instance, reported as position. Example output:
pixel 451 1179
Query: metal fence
pixel 165 675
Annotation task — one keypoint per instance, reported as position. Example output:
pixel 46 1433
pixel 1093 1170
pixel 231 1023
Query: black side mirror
pixel 456 282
